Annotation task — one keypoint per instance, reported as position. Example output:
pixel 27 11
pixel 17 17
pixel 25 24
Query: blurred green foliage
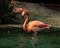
pixel 5 7
pixel 5 11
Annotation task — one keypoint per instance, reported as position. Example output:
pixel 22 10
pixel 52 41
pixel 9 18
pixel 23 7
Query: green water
pixel 17 38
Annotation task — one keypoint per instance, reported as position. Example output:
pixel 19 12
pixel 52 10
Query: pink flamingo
pixel 33 26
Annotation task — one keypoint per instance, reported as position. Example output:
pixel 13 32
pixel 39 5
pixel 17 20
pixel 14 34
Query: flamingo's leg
pixel 34 39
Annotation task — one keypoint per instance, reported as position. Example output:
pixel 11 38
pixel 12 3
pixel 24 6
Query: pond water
pixel 17 38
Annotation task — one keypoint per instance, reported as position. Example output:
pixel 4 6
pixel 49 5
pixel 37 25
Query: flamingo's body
pixel 34 26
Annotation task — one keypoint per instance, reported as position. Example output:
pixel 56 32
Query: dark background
pixel 42 1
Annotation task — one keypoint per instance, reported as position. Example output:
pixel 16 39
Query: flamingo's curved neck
pixel 25 23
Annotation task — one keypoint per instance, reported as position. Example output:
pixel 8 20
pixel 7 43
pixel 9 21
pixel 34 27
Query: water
pixel 17 38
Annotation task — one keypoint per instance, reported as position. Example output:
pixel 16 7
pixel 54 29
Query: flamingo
pixel 33 26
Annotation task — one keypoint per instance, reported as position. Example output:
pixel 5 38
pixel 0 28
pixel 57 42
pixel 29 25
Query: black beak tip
pixel 51 27
pixel 22 16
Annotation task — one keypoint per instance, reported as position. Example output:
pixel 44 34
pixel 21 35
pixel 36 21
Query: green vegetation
pixel 6 14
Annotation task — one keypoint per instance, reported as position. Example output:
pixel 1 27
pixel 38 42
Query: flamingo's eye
pixel 22 16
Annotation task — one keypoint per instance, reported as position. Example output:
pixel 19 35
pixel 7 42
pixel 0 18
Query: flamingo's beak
pixel 22 16
pixel 23 13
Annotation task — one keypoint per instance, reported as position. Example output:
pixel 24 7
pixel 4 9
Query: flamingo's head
pixel 23 13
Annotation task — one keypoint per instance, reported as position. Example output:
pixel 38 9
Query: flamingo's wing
pixel 34 29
